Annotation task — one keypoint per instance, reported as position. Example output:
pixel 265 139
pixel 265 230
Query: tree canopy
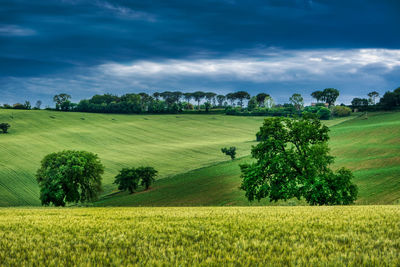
pixel 130 178
pixel 293 162
pixel 69 176
pixel 4 126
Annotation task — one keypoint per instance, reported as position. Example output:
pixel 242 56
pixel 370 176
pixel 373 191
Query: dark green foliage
pixel 69 176
pixel 147 176
pixel 127 179
pixel 252 104
pixel 328 95
pixel 360 103
pixel 130 178
pixel 390 100
pixel 4 127
pixel 293 161
pixel 241 95
pixel 198 96
pixel 63 102
pixel 229 151
pixel 322 112
pixel 317 95
pixel 261 98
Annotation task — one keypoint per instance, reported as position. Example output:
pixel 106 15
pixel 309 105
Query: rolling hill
pixel 186 151
pixel 370 147
pixel 171 143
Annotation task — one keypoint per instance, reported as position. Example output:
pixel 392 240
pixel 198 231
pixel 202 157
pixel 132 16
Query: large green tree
pixel 69 176
pixel 329 95
pixel 293 161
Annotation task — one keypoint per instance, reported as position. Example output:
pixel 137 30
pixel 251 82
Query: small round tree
pixel 229 151
pixel 4 127
pixel 69 176
pixel 127 179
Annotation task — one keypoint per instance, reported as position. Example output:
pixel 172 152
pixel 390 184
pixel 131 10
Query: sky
pixel 279 47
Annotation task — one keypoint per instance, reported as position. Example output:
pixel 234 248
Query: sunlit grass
pixel 273 236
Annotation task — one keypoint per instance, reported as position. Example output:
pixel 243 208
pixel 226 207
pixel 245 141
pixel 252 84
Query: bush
pixel 341 111
pixel 69 176
pixel 229 152
pixel 324 113
pixel 4 127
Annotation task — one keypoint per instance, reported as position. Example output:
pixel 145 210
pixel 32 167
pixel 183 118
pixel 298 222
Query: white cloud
pixel 125 12
pixel 290 66
pixel 15 30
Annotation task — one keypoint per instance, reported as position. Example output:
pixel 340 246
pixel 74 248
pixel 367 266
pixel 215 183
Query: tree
pixel 38 104
pixel 4 127
pixel 317 95
pixel 156 95
pixel 390 100
pixel 261 98
pixel 188 97
pixel 69 176
pixel 127 179
pixel 27 105
pixel 62 101
pixel 297 101
pixel 147 176
pixel 360 103
pixel 372 97
pixel 323 113
pixel 329 95
pixel 252 103
pixel 242 95
pixel 293 161
pixel 207 105
pixel 198 96
pixel 231 97
pixel 220 100
pixel 130 178
pixel 210 96
pixel 229 151
pixel 269 102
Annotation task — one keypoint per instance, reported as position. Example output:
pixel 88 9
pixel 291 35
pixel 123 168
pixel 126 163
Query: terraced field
pixel 216 236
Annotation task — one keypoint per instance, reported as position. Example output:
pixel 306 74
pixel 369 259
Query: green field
pixel 186 151
pixel 370 147
pixel 171 143
pixel 216 236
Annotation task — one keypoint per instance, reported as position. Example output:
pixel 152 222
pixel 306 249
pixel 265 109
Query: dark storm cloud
pixel 44 43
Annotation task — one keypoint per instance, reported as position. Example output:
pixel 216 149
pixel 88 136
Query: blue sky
pixel 279 47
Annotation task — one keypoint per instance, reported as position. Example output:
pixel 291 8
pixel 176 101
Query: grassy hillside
pixel 186 151
pixel 370 147
pixel 216 236
pixel 171 143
